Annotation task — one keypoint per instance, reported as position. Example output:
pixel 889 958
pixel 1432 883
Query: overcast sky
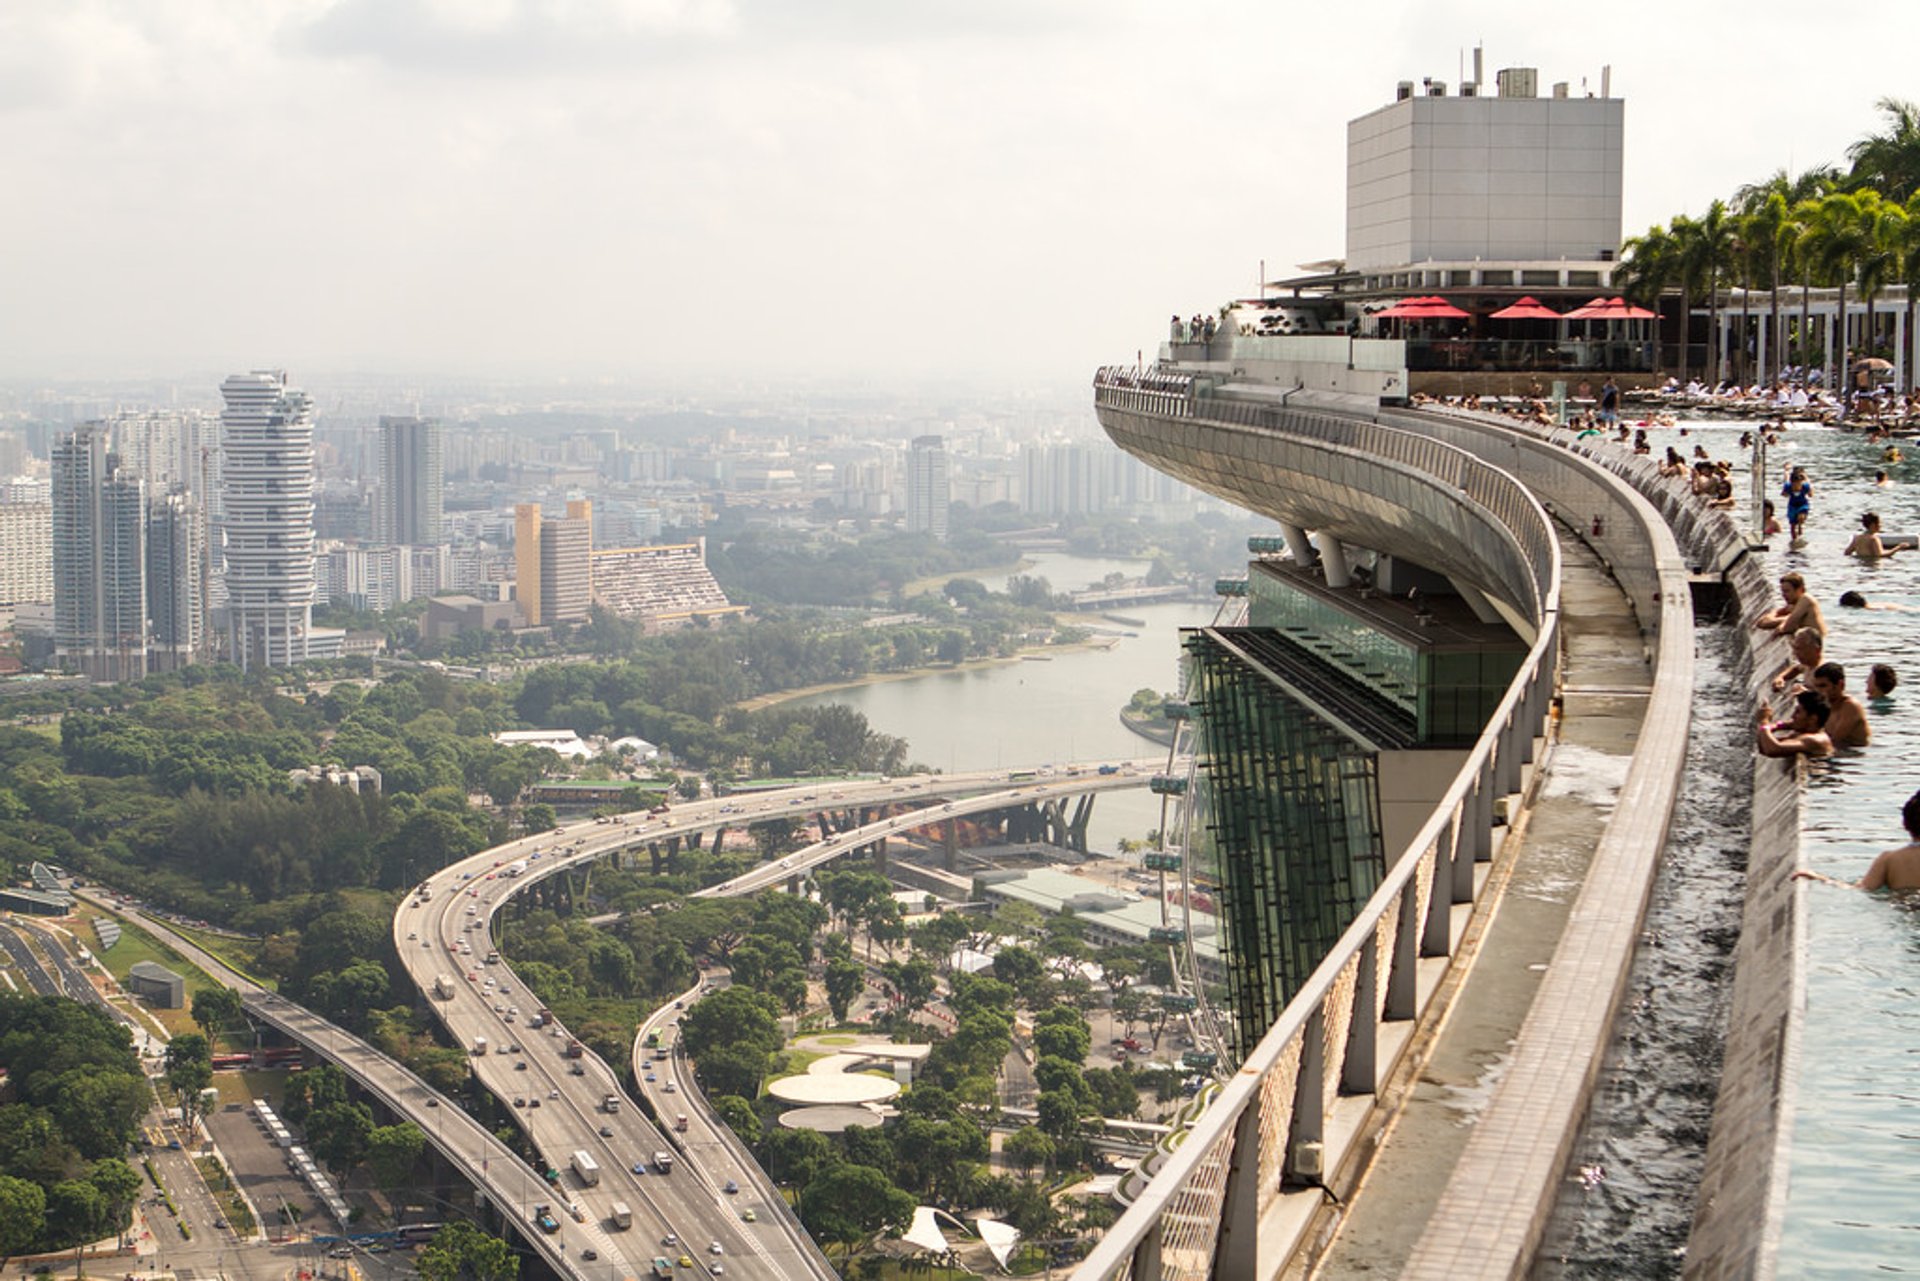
pixel 1017 189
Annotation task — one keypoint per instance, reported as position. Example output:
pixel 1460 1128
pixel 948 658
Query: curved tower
pixel 267 442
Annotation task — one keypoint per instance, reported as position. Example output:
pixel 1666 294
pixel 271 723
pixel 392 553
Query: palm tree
pixel 1838 236
pixel 1709 246
pixel 1890 160
pixel 1648 265
pixel 1765 221
pixel 1880 258
pixel 1908 242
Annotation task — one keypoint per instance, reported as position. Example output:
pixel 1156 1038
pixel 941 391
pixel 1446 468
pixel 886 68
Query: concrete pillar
pixel 1333 560
pixel 1297 544
pixel 879 848
pixel 949 846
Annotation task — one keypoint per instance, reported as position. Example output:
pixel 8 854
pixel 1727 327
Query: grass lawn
pixel 245 1087
pixel 836 1040
pixel 235 952
pixel 137 945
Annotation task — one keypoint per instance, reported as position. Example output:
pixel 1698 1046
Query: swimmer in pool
pixel 1896 869
pixel 1846 719
pixel 1854 600
pixel 1799 610
pixel 1867 544
pixel 1803 733
pixel 1881 681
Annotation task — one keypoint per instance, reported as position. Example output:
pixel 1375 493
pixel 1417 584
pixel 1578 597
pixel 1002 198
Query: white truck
pixel 516 867
pixel 443 987
pixel 611 1103
pixel 663 1162
pixel 586 1167
pixel 479 1047
pixel 621 1216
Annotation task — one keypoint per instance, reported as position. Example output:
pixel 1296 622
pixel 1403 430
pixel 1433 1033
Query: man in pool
pixel 1806 650
pixel 1868 544
pixel 1803 733
pixel 1846 719
pixel 1896 869
pixel 1800 609
pixel 1881 680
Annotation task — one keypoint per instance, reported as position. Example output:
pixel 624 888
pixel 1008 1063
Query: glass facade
pixel 1289 818
pixel 1447 688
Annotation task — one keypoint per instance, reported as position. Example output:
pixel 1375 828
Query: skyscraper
pixel 177 574
pixel 928 495
pixel 407 504
pixel 99 560
pixel 526 561
pixel 267 442
pixel 566 564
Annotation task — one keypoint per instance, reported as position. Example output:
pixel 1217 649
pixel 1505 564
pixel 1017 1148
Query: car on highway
pixel 685 1261
pixel 640 1167
pixel 553 1094
pixel 520 1100
pixel 433 1103
pixel 670 1087
pixel 521 1066
pixel 651 1077
pixel 589 1254
pixel 673 1239
pixel 715 1248
pixel 732 1187
pixel 606 1131
pixel 533 1103
pixel 748 1216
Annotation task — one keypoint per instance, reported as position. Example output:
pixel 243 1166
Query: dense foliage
pixel 75 1100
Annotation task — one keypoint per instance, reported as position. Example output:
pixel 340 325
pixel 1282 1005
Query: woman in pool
pixel 1799 495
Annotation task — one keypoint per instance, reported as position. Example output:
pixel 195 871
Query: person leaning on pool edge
pixel 1895 869
pixel 1803 733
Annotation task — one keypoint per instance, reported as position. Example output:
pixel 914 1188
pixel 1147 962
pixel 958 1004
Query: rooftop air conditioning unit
pixel 1517 82
pixel 1560 89
pixel 1469 90
pixel 1403 91
pixel 1436 88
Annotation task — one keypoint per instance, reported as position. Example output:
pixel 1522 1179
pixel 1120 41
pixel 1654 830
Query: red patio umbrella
pixel 1609 309
pixel 1432 307
pixel 1528 308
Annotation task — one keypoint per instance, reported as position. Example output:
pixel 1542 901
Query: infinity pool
pixel 1854 1197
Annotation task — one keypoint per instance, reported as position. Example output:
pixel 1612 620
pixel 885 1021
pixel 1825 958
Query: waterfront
pixel 1050 708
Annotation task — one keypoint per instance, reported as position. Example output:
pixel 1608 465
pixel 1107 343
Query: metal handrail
pixel 1323 1040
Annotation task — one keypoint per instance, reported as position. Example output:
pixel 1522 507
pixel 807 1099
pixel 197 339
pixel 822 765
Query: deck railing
pixel 1268 1129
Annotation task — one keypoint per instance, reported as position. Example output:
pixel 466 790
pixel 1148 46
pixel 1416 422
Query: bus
pixel 416 1233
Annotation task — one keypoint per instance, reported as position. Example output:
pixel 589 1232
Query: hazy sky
pixel 1004 188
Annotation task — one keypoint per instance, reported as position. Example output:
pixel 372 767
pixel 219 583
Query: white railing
pixel 1237 1157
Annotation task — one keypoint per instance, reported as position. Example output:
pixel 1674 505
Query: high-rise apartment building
pixel 407 504
pixel 99 560
pixel 553 563
pixel 267 442
pixel 566 564
pixel 26 551
pixel 526 560
pixel 177 574
pixel 928 495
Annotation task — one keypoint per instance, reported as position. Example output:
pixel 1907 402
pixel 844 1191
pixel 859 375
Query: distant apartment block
pixel 662 586
pixel 99 560
pixel 26 551
pixel 553 556
pixel 177 580
pixel 267 439
pixel 448 616
pixel 407 505
pixel 928 494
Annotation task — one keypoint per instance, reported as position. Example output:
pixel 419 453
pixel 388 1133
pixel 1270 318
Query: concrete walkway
pixel 1388 1226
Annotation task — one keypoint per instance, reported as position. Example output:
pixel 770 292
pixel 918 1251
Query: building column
pixel 1333 560
pixel 1297 544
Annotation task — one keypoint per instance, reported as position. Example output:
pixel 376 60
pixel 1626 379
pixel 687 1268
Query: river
pixel 1036 713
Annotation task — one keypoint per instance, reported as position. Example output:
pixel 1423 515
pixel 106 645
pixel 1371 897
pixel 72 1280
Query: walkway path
pixel 1468 1086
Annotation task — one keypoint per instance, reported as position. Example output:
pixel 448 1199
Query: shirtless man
pixel 1800 610
pixel 1897 869
pixel 1867 544
pixel 1846 719
pixel 1881 679
pixel 1803 733
pixel 1806 650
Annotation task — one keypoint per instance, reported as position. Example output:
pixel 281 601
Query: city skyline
pixel 606 188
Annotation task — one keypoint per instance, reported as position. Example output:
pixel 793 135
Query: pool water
pixel 1853 1203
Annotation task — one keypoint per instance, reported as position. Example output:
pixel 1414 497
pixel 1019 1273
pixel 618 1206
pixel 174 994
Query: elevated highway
pixel 467 1145
pixel 444 935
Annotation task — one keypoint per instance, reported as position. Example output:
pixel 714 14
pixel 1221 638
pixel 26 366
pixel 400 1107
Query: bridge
pixel 560 1101
pixel 467 1145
